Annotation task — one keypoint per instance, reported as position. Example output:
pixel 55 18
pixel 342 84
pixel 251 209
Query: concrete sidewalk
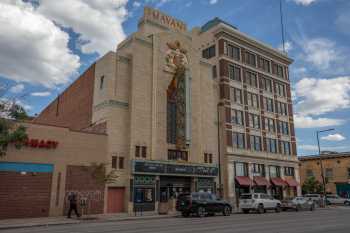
pixel 62 220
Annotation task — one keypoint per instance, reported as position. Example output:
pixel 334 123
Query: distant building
pixel 336 170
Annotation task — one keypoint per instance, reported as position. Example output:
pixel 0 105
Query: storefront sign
pixel 40 143
pixel 162 19
pixel 165 168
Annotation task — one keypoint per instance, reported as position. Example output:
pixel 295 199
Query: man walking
pixel 72 198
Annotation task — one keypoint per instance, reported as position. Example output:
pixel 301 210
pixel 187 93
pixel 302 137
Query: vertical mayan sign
pixel 178 96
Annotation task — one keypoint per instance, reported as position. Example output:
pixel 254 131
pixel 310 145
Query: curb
pixel 87 221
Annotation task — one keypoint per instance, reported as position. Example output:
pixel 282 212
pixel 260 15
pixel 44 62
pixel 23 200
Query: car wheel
pixel 278 208
pixel 261 209
pixel 246 211
pixel 185 214
pixel 226 211
pixel 347 203
pixel 200 211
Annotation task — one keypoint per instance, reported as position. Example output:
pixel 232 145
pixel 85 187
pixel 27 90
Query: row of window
pixel 238 141
pixel 252 100
pixel 328 173
pixel 251 79
pixel 237 118
pixel 208 158
pixel 241 169
pixel 252 59
pixel 177 155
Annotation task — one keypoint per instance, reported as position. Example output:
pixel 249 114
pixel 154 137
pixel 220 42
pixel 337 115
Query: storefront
pixel 157 182
pixel 261 184
pixel 278 184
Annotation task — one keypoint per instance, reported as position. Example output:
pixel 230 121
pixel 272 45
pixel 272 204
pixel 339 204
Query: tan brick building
pixel 201 110
pixel 336 168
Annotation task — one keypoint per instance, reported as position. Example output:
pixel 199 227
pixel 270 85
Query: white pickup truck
pixel 259 202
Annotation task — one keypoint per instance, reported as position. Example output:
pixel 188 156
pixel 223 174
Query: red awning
pixel 261 181
pixel 278 181
pixel 292 182
pixel 243 180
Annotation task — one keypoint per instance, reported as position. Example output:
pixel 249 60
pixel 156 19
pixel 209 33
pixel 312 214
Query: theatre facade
pixel 206 109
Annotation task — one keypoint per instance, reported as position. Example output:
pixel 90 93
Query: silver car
pixel 298 203
pixel 333 199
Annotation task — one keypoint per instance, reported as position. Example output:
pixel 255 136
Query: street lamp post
pixel 321 164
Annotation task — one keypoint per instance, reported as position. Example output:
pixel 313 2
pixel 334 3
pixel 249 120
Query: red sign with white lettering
pixel 40 143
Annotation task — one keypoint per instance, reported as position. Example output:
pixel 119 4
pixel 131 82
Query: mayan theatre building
pixel 207 109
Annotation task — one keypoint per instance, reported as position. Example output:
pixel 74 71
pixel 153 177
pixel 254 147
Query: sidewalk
pixel 62 220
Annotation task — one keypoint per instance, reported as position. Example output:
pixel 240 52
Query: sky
pixel 45 45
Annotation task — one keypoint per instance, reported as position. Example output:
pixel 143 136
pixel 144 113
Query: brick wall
pixel 24 195
pixel 73 107
pixel 79 179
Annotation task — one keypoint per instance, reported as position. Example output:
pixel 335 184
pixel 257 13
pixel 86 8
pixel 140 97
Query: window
pixel 309 173
pixel 121 163
pixel 208 158
pixel 236 95
pixel 329 173
pixel 275 171
pixel 102 79
pixel 283 127
pixel 143 151
pixel 251 79
pixel 282 108
pixel 238 140
pixel 209 52
pixel 270 124
pixel 348 172
pixel 285 147
pixel 289 171
pixel 268 104
pixel 114 162
pixel 250 58
pixel 214 72
pixel 254 121
pixel 241 169
pixel 137 151
pixel 280 89
pixel 258 169
pixel 177 155
pixel 233 52
pixel 277 70
pixel 266 84
pixel 255 143
pixel 237 117
pixel 234 73
pixel 253 100
pixel 271 145
pixel 264 64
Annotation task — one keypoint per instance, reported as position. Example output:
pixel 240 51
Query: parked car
pixel 298 203
pixel 202 204
pixel 316 198
pixel 259 202
pixel 333 199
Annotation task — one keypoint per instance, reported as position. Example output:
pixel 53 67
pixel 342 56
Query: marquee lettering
pixel 160 18
pixel 40 143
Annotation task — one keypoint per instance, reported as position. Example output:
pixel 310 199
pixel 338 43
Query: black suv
pixel 201 204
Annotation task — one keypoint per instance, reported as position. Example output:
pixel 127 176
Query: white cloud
pixel 18 88
pixel 212 2
pixel 44 93
pixel 99 23
pixel 320 96
pixel 334 137
pixel 310 122
pixel 288 46
pixel 188 4
pixel 304 2
pixel 32 48
pixel 136 4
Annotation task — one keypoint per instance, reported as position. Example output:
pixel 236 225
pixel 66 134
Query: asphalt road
pixel 321 221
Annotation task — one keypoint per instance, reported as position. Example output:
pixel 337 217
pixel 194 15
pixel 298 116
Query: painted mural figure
pixel 176 59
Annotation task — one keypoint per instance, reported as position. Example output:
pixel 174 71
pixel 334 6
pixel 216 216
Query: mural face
pixel 176 59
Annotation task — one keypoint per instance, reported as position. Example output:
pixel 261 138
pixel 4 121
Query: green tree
pixel 311 185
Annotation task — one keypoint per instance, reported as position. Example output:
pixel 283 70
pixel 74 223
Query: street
pixel 328 220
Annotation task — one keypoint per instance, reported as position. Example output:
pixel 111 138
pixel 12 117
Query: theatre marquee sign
pixel 160 18
pixel 172 169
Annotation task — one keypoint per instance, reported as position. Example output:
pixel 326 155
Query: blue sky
pixel 45 45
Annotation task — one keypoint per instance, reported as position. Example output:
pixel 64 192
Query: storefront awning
pixel 243 180
pixel 261 181
pixel 278 181
pixel 292 182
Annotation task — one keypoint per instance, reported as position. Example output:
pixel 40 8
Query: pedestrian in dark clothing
pixel 72 198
